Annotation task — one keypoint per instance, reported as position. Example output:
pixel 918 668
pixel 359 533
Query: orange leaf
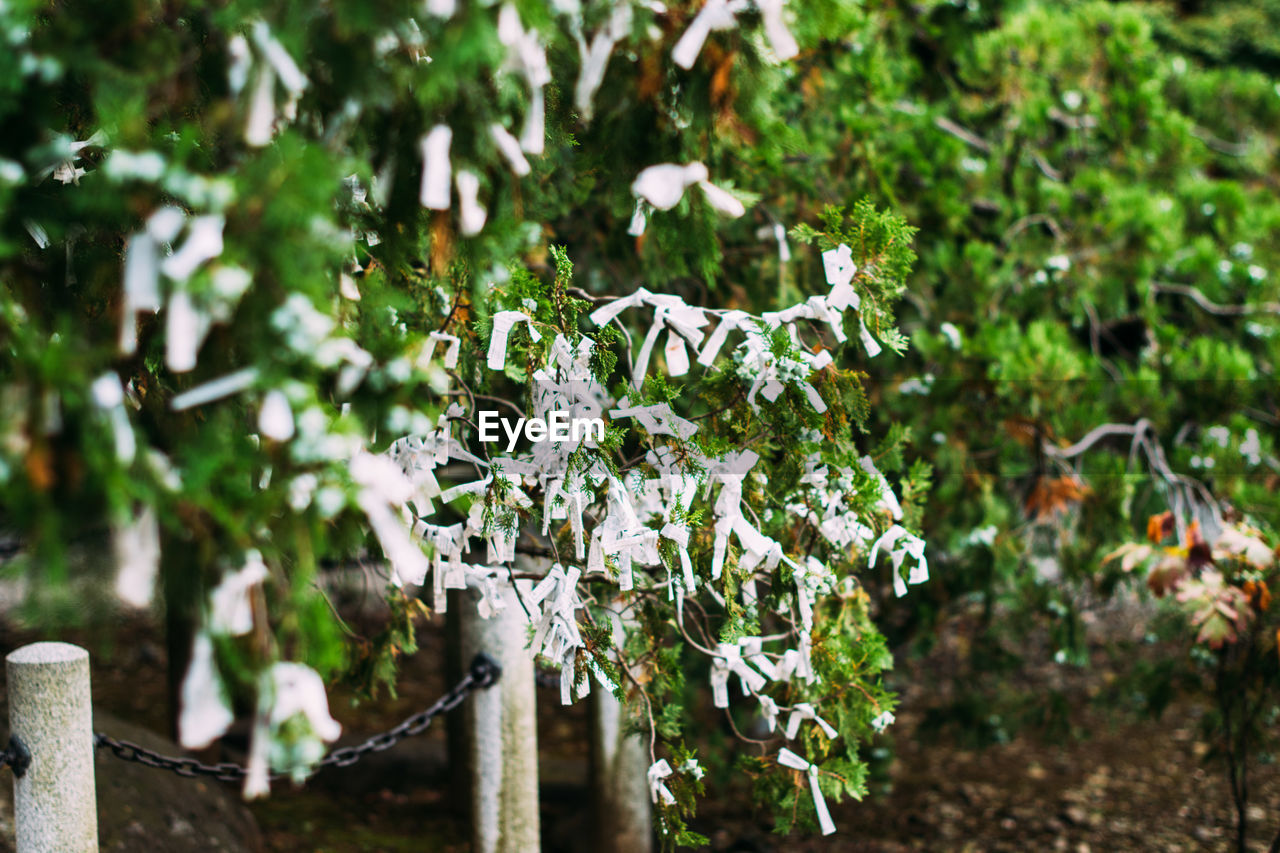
pixel 1050 496
pixel 1159 526
pixel 39 465
pixel 721 92
pixel 1259 595
pixel 651 78
pixel 1022 430
pixel 1198 553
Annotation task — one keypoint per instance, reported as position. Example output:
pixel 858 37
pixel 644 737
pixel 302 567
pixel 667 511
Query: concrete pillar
pixel 501 728
pixel 619 789
pixel 622 820
pixel 50 709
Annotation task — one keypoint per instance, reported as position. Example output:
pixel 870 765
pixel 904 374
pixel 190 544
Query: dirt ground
pixel 1112 782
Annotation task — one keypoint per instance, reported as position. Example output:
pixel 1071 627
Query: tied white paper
pixel 241 62
pixel 658 790
pixel 840 270
pixel 230 608
pixel 838 265
pixel 662 186
pixel 787 758
pixel 347 287
pixel 384 486
pixel 605 314
pixel 471 213
pixel 620 539
pixel 711 349
pixel 805 711
pixel 888 500
pixel 685 324
pixel 288 692
pixel 784 249
pixel 510 148
pixel 275 418
pixel 185 329
pixel 257 777
pixel 137 551
pixel 204 243
pixel 186 323
pixel 769 710
pixel 215 389
pixel 280 66
pixel 436 169
pixel 730 472
pixel 722 201
pixel 882 721
pixel 657 419
pixel 451 351
pixel 503 322
pixel 108 396
pixel 715 15
pixel 260 124
pixel 910 545
pixel 728 660
pixel 775 27
pixel 557 636
pixel 299 690
pixel 753 653
pixel 679 534
pixel 595 59
pixel 141 283
pixel 205 713
pixel 291 77
pixel 527 56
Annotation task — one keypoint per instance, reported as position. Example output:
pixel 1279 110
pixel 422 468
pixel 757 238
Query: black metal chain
pixel 483 672
pixel 16 757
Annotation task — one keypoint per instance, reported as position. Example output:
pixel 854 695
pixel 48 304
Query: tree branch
pixel 948 126
pixel 1213 307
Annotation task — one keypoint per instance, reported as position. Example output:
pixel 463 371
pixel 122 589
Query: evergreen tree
pixel 264 264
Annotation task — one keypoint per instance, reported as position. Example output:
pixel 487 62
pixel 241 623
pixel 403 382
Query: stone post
pixel 501 726
pixel 620 793
pixel 50 710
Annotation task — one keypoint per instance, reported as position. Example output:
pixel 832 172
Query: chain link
pixel 483 672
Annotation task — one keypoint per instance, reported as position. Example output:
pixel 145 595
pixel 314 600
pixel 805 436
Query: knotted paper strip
pixel 787 758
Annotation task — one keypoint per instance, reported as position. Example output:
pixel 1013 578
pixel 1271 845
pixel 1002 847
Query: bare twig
pixel 1184 493
pixel 579 293
pixel 1043 164
pixel 1231 149
pixel 1085 122
pixel 519 411
pixel 1027 221
pixel 1204 302
pixel 948 126
pixel 1095 343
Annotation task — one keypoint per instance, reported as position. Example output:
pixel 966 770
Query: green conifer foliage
pixel 262 261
